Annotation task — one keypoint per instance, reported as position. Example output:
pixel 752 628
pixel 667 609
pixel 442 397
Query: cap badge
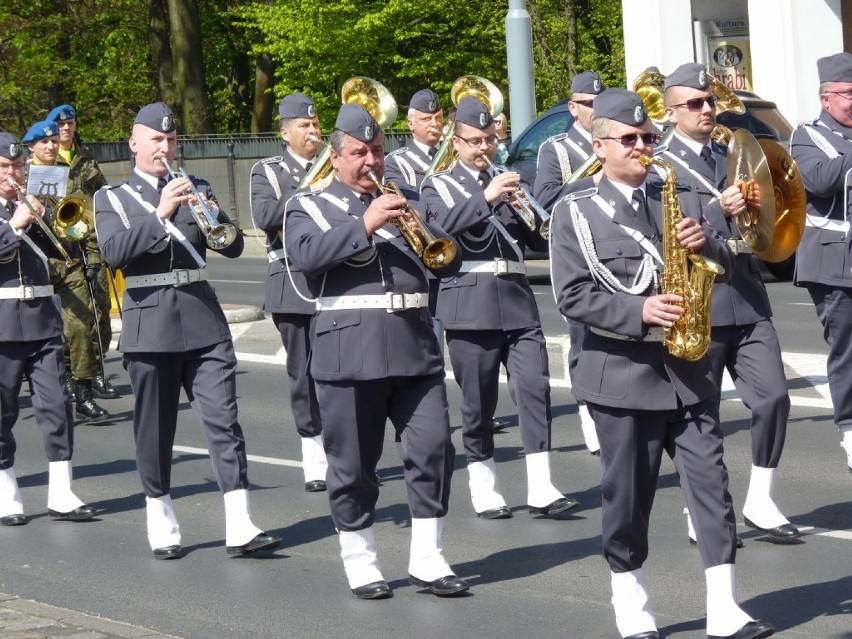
pixel 166 124
pixel 48 131
pixel 14 149
pixel 312 110
pixel 483 119
pixel 702 78
pixel 432 106
pixel 597 86
pixel 638 114
pixel 65 115
pixel 368 132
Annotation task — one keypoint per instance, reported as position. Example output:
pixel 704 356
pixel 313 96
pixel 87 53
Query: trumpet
pixel 22 195
pixel 219 235
pixel 525 205
pixel 434 252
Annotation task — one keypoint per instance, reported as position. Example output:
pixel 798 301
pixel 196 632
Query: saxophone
pixel 688 275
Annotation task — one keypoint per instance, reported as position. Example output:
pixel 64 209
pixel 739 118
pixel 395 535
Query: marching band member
pixel 374 358
pixel 31 344
pixel 273 181
pixel 822 148
pixel 491 317
pixel 558 157
pixel 743 339
pixel 174 334
pixel 606 262
pixel 406 166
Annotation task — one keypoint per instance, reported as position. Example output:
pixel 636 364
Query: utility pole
pixel 519 58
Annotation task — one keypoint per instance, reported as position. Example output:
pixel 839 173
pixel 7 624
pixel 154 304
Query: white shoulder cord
pixel 564 161
pixel 273 181
pixel 317 217
pixel 825 146
pixel 406 169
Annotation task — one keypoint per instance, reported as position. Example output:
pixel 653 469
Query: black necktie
pixel 484 179
pixel 642 208
pixel 161 183
pixel 366 198
pixel 308 167
pixel 10 206
pixel 432 151
pixel 707 156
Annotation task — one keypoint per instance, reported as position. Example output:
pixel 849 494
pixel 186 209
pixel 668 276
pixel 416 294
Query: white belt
pixel 276 255
pixel 738 247
pixel 655 334
pixel 25 292
pixel 498 266
pixel 176 278
pixel 391 302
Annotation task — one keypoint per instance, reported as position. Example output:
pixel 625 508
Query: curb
pixel 234 314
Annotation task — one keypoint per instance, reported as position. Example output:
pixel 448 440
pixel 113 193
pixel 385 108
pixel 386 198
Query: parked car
pixel 762 119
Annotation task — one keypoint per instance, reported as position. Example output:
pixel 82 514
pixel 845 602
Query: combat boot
pixel 102 389
pixel 72 391
pixel 85 404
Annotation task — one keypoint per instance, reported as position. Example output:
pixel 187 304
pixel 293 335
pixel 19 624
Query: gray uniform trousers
pixel 43 361
pixel 208 376
pixel 295 330
pixel 355 413
pixel 834 310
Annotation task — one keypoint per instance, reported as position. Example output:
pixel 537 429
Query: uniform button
pixel 334 323
pixel 354 245
pixel 842 237
pixel 618 251
pixel 455 281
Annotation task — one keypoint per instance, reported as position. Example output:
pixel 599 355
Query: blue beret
pixel 620 105
pixel 296 105
pixel 472 112
pixel 691 74
pixel 156 116
pixel 835 68
pixel 62 113
pixel 356 121
pixel 587 82
pixel 9 147
pixel 41 130
pixel 425 101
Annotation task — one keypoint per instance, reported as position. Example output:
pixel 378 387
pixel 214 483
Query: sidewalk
pixel 25 619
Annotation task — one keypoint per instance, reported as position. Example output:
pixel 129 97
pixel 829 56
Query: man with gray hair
pixel 406 166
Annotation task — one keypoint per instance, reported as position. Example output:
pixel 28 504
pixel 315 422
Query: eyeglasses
pixel 585 103
pixel 648 139
pixel 6 166
pixel 846 95
pixel 696 104
pixel 475 143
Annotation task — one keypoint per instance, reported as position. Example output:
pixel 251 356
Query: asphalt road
pixel 529 577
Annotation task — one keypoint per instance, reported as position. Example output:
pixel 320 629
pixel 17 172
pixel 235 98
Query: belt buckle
pixel 27 293
pixel 395 302
pixel 501 266
pixel 181 277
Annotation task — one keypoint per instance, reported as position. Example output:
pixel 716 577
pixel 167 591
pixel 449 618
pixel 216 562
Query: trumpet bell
pixel 649 85
pixel 373 96
pixel 478 87
pixel 73 217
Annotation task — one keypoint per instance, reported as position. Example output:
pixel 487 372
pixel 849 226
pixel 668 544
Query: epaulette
pixel 577 195
pixel 440 173
pixel 300 194
pixel 273 159
pixel 682 187
pixel 402 149
pixel 556 138
pixel 109 187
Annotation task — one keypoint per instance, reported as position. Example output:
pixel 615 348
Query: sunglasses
pixel 585 103
pixel 696 104
pixel 648 139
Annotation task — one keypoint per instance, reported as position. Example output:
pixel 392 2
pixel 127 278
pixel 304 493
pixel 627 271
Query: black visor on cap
pixel 425 101
pixel 156 116
pixel 472 112
pixel 296 105
pixel 691 74
pixel 356 121
pixel 835 68
pixel 587 82
pixel 620 105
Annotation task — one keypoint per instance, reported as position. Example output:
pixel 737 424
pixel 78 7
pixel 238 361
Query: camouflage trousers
pixel 81 337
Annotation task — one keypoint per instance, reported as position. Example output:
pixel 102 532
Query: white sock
pixel 724 616
pixel 484 488
pixel 540 490
pixel 314 462
pixel 60 497
pixel 239 529
pixel 759 505
pixel 360 557
pixel 632 603
pixel 163 528
pixel 426 560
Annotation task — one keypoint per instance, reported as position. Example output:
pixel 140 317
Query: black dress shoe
pixel 443 586
pixel 13 520
pixel 561 506
pixel 82 513
pixel 102 389
pixel 596 453
pixel 752 630
pixel 496 513
pixel 169 552
pixel 650 634
pixel 375 590
pixel 260 542
pixel 740 542
pixel 783 534
pixel 499 425
pixel 315 486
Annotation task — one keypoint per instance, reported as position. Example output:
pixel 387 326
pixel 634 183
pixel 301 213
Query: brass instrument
pixel 370 94
pixel 466 86
pixel 22 196
pixel 73 217
pixel 590 167
pixel 726 102
pixel 525 205
pixel 790 202
pixel 649 85
pixel 219 235
pixel 435 252
pixel 685 274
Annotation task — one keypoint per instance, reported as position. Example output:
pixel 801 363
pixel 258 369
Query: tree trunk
pixel 161 51
pixel 571 38
pixel 194 107
pixel 261 116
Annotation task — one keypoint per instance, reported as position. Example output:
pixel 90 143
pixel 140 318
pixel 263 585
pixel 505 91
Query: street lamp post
pixel 519 60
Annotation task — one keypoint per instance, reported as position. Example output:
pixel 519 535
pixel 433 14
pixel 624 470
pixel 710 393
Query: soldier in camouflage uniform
pixel 69 281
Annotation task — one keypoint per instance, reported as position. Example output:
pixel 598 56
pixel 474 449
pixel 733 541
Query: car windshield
pixel 548 125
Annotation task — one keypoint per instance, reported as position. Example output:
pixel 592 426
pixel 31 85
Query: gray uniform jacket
pixel 481 301
pixel 823 151
pixel 638 375
pixel 742 300
pixel 406 167
pixel 267 209
pixel 26 320
pixel 325 237
pixel 558 158
pixel 160 319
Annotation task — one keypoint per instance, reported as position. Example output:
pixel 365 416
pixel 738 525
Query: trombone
pixel 219 234
pixel 435 252
pixel 22 196
pixel 525 205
